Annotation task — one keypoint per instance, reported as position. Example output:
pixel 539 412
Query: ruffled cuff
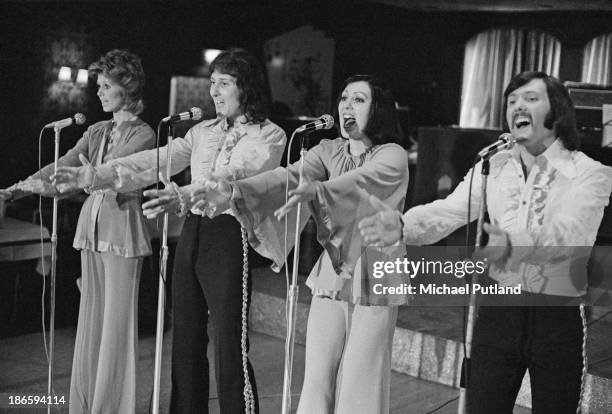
pixel 104 177
pixel 408 230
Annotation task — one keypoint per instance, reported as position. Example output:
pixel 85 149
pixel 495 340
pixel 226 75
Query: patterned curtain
pixel 597 61
pixel 491 59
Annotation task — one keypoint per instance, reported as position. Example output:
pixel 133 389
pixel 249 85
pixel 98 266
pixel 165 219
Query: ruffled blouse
pixel 344 183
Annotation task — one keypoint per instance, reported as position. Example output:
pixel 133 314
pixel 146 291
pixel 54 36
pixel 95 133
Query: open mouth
pixel 522 121
pixel 348 121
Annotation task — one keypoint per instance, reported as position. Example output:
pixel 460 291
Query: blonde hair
pixel 124 68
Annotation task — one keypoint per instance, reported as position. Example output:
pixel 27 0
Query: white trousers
pixel 348 358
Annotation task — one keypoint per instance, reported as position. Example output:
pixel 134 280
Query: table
pixel 19 241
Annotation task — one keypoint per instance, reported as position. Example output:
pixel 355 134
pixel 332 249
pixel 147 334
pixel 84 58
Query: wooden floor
pixel 23 369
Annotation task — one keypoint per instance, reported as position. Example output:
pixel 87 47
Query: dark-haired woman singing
pixel 350 324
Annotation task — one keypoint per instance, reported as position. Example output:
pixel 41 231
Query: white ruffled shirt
pixel 552 217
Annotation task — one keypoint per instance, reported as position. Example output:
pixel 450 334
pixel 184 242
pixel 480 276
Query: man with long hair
pixel 544 199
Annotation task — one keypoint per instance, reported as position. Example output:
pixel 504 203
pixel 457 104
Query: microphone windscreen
pixel 329 121
pixel 79 118
pixel 196 113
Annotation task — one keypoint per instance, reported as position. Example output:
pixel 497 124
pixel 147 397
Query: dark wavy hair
pixel 250 80
pixel 124 68
pixel 382 126
pixel 562 117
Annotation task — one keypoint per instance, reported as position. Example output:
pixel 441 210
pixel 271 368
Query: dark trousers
pixel 547 341
pixel 207 278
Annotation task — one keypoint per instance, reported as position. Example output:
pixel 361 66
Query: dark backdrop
pixel 420 54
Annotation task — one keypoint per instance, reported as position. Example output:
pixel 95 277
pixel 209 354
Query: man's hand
pixel 161 200
pixel 383 228
pixel 73 178
pixel 498 248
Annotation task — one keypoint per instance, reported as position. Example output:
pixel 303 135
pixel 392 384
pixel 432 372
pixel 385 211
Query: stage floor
pixel 23 369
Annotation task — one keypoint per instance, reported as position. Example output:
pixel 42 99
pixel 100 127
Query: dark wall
pixel 419 54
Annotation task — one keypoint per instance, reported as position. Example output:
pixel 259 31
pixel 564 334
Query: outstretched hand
pixel 303 193
pixel 5 194
pixel 498 248
pixel 211 192
pixel 37 186
pixel 161 200
pixel 383 228
pixel 68 179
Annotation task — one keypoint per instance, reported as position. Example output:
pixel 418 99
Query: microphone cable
pixel 157 171
pixel 42 262
pixel 42 249
pixel 286 228
pixel 441 406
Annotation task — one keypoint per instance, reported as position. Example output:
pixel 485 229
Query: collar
pixel 135 120
pixel 221 125
pixel 347 150
pixel 557 156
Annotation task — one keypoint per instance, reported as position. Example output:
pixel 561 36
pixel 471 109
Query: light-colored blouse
pixel 344 183
pixel 110 222
pixel 210 148
pixel 552 216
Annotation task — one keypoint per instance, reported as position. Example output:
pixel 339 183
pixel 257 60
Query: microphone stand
pixel 469 332
pixel 57 130
pixel 161 298
pixel 292 295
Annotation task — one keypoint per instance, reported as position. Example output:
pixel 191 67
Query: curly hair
pixel 250 80
pixel 382 126
pixel 124 68
pixel 562 116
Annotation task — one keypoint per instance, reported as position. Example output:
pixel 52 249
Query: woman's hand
pixel 214 192
pixel 36 186
pixel 161 200
pixel 304 192
pixel 73 178
pixel 383 228
pixel 13 192
pixel 5 194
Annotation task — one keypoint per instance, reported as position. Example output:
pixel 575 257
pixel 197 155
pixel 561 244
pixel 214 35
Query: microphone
pixel 78 119
pixel 324 122
pixel 505 141
pixel 194 113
